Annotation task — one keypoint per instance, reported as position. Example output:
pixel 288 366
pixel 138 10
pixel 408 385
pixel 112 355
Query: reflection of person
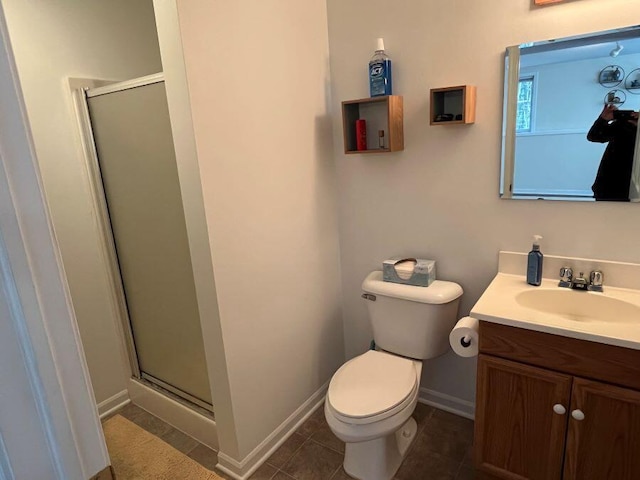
pixel 614 173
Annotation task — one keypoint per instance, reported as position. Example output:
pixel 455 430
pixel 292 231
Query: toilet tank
pixel 411 321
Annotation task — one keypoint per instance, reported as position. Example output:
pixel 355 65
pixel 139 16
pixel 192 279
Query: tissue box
pixel 424 271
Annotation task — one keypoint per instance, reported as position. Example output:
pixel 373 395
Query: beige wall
pixel 53 40
pixel 439 198
pixel 258 79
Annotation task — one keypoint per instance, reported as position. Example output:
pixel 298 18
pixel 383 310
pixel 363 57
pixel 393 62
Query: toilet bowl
pixel 369 406
pixel 371 397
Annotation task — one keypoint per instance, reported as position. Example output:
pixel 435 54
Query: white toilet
pixel 371 397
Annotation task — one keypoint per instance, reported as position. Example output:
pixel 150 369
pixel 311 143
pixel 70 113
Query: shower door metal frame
pixel 90 152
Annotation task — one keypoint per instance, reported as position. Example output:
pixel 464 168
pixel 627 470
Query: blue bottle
pixel 534 263
pixel 380 72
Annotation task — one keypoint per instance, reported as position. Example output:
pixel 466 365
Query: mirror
pixel 558 140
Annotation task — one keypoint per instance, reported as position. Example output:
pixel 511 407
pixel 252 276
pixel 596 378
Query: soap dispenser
pixel 534 263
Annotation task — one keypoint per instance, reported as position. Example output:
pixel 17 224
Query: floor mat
pixel 138 455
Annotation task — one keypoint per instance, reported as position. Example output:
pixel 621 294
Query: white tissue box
pixel 422 275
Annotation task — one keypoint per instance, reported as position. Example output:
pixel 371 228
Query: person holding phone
pixel 617 128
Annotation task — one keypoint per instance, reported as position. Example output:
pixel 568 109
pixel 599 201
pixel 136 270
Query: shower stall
pixel 136 187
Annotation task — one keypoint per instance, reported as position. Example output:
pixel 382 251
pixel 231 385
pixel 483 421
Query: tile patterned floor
pixel 441 450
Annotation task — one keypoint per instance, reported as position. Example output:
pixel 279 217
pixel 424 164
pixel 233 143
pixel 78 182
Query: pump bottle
pixel 534 263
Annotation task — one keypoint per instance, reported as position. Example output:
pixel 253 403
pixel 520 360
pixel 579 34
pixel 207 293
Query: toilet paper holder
pixel 464 338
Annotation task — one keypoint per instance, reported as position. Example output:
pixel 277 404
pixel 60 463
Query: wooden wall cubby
pixel 459 101
pixel 381 113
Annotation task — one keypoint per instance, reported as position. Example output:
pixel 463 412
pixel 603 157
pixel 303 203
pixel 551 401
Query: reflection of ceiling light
pixel 616 51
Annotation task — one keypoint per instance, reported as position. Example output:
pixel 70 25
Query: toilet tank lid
pixel 437 293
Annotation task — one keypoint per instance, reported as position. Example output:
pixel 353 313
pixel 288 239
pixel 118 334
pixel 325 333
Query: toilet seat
pixel 372 387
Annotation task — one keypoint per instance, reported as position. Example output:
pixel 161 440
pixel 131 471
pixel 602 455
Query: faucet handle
pixel 566 276
pixel 596 279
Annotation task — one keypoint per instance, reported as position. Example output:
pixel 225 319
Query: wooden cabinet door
pixel 605 445
pixel 518 436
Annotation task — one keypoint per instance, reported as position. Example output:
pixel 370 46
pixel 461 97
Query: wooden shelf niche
pixel 459 101
pixel 381 113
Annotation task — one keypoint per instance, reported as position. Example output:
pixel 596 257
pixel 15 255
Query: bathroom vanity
pixel 558 387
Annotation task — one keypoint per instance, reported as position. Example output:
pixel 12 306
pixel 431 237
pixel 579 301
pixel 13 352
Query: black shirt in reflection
pixel 614 173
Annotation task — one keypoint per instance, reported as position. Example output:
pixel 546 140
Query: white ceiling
pixel 585 47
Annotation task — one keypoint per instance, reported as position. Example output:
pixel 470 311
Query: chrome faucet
pixel 596 279
pixel 566 276
pixel 594 284
pixel 580 283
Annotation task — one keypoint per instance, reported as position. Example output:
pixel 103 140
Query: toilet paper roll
pixel 464 337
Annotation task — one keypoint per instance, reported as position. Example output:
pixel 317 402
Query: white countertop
pixel 498 304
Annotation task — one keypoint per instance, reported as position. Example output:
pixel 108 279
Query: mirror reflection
pixel 571 118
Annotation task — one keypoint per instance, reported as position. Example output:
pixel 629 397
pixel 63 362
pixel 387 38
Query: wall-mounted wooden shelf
pixel 381 113
pixel 459 101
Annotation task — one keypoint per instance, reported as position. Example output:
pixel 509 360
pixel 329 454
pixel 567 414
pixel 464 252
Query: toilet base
pixel 380 458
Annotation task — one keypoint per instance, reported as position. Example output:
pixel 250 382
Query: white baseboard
pixel 447 403
pixel 241 470
pixel 111 404
pixel 174 413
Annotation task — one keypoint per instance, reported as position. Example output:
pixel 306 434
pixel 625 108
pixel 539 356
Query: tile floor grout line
pixel 326 446
pixel 293 454
pixel 193 448
pixel 335 472
pixel 274 473
pixel 458 472
pixel 460 467
pixel 308 439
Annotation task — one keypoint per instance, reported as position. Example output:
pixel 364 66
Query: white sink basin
pixel 579 306
pixel 611 317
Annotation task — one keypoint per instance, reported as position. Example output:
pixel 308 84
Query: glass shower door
pixel 133 139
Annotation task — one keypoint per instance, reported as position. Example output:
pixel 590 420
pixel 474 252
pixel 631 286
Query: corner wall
pixel 258 76
pixel 52 41
pixel 438 198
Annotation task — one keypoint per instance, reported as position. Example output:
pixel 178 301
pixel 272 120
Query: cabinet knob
pixel 559 409
pixel 577 414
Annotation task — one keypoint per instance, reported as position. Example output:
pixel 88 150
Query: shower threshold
pixel 197 422
pixel 178 395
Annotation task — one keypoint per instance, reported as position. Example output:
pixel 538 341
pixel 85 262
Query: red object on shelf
pixel 361 134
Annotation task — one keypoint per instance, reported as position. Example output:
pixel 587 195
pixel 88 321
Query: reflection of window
pixel 524 114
